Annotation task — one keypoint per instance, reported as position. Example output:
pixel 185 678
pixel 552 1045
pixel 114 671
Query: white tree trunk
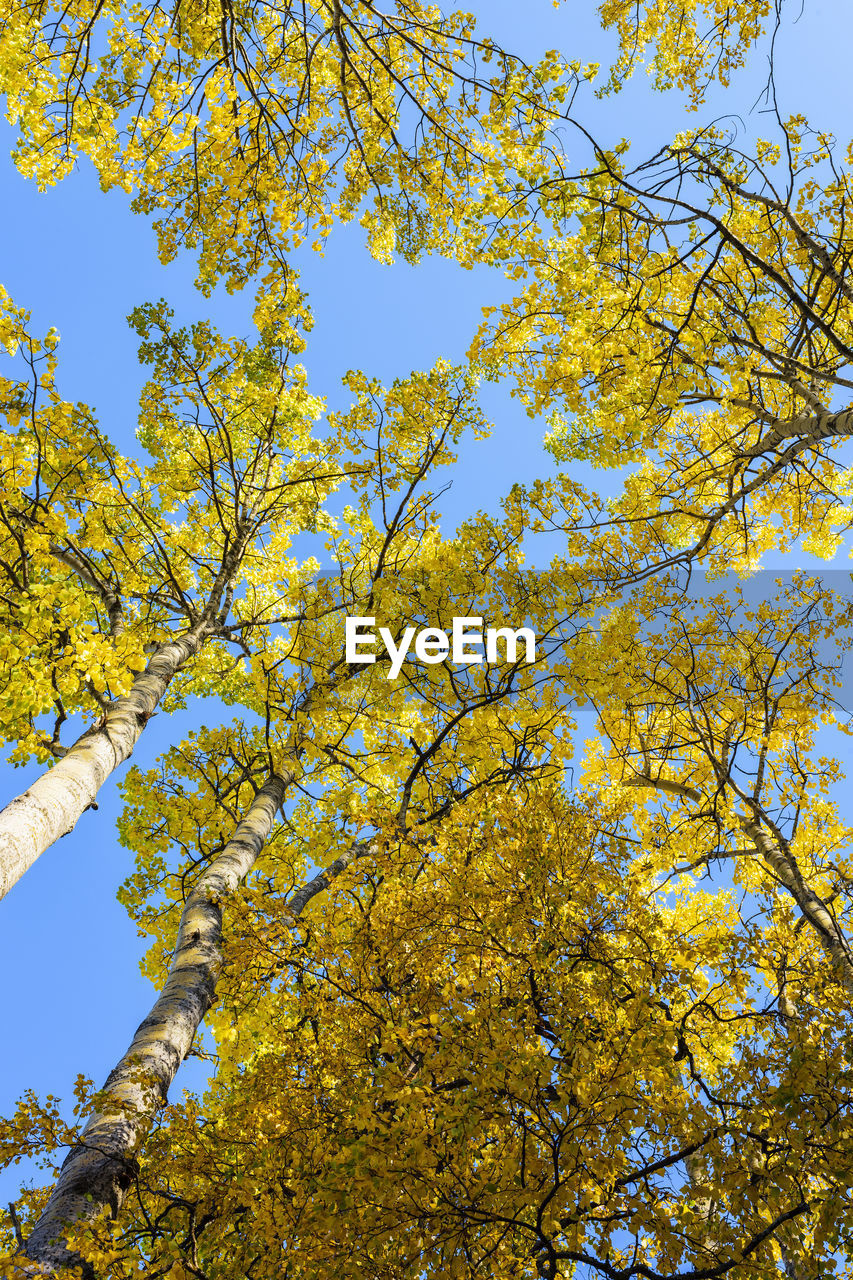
pixel 50 808
pixel 98 1171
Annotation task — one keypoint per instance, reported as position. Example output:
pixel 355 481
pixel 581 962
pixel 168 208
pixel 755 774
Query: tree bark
pixel 99 1169
pixel 50 808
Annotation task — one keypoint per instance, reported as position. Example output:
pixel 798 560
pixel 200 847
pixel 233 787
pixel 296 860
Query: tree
pixel 244 482
pixel 511 1034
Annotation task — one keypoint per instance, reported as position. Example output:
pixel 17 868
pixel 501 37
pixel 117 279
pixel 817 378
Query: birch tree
pixel 234 475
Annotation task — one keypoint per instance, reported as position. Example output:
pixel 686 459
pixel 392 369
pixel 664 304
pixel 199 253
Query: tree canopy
pixel 504 963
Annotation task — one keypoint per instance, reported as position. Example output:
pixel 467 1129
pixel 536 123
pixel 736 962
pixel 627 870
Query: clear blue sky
pixel 72 991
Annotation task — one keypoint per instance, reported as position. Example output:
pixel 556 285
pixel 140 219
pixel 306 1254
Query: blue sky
pixel 72 991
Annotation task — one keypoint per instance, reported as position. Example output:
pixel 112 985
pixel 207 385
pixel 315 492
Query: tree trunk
pixel 99 1169
pixel 48 809
pixel 813 909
